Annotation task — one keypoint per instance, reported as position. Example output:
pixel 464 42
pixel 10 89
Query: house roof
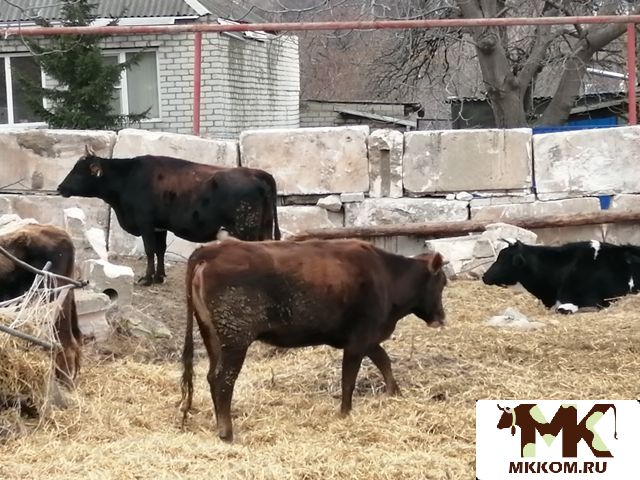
pixel 51 10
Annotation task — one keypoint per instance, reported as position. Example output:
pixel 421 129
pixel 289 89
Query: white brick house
pixel 248 81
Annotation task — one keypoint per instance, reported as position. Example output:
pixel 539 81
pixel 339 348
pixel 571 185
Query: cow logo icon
pixel 529 419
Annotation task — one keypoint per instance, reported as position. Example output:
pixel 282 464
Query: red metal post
pixel 197 77
pixel 631 73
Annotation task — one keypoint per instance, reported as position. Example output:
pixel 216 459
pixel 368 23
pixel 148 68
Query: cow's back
pixel 296 293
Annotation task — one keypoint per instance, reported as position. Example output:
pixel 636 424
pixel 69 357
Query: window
pixel 13 106
pixel 138 88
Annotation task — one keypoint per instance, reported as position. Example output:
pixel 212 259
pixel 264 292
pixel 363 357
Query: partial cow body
pixel 344 293
pixel 36 245
pixel 151 195
pixel 578 275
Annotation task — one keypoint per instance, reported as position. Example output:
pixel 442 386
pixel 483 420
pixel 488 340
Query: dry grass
pixel 126 424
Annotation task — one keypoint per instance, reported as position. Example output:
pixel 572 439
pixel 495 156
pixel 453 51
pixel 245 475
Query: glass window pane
pixel 142 85
pixel 28 68
pixel 116 97
pixel 4 111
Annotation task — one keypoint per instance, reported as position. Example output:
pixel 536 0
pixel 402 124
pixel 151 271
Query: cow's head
pixel 85 179
pixel 509 267
pixel 507 419
pixel 429 306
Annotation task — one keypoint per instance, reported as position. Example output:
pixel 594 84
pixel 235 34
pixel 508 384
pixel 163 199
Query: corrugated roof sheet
pixel 51 10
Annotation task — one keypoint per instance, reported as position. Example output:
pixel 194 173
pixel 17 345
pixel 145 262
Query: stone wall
pixel 350 176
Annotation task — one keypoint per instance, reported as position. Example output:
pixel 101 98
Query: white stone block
pixel 535 209
pixel 40 159
pixel 331 203
pixel 385 211
pixel 115 281
pixel 352 197
pixel 385 148
pixel 587 162
pixel 92 308
pixel 455 160
pixel 133 142
pixel 456 250
pixel 297 219
pixel 485 201
pixel 495 232
pixel 310 160
pixel 562 235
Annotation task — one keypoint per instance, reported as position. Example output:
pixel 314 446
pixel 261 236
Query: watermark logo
pixel 557 439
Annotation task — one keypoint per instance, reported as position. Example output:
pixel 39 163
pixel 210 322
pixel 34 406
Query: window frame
pixel 8 75
pixel 121 55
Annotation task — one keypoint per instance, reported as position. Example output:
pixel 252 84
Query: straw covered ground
pixel 124 421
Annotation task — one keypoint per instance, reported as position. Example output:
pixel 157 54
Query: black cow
pixel 153 194
pixel 569 277
pixel 344 293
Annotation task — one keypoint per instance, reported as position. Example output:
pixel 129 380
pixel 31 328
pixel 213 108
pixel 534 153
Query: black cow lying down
pixel 573 276
pixel 344 293
pixel 151 195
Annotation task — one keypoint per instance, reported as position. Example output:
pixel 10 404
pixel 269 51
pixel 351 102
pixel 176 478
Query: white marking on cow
pixel 596 248
pixel 631 284
pixel 567 308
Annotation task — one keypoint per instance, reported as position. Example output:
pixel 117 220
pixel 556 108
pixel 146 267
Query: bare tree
pixel 504 64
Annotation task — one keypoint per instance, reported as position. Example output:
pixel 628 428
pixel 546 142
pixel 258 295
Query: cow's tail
pixel 273 200
pixel 187 351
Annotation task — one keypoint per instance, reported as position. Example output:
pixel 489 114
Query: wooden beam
pixel 449 229
pixel 375 116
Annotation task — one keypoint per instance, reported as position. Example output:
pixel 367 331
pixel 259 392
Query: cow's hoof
pixel 158 279
pixel 145 281
pixel 226 437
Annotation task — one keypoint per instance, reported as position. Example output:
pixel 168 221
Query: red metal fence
pixel 199 28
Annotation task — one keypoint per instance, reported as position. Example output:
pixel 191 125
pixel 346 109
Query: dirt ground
pixel 124 422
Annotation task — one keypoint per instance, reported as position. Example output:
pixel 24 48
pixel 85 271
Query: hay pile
pixel 126 423
pixel 26 371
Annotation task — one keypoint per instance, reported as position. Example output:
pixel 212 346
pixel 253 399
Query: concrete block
pixel 587 162
pixel 39 159
pixel 485 201
pixel 115 281
pixel 51 208
pixel 562 235
pixel 331 203
pixel 623 233
pixel 456 250
pixel 535 209
pixel 496 231
pixel 456 160
pixel 92 308
pixel 310 160
pixel 297 219
pixel 132 142
pixel 386 148
pixel 352 197
pixel 385 211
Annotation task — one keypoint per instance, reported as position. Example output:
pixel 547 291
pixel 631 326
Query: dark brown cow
pixel 36 245
pixel 344 293
pixel 151 195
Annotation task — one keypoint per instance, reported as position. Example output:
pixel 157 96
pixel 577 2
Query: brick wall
pixel 245 83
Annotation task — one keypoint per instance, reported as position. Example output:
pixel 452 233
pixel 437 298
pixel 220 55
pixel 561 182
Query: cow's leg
pixel 67 360
pixel 381 360
pixel 161 248
pixel 226 373
pixel 351 361
pixel 149 241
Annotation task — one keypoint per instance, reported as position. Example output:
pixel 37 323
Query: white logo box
pixel 499 455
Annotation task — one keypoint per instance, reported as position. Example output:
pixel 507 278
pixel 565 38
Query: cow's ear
pixel 95 169
pixel 519 261
pixel 436 262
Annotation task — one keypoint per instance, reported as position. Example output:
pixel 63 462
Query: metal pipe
pixel 302 26
pixel 197 80
pixel 30 338
pixel 631 73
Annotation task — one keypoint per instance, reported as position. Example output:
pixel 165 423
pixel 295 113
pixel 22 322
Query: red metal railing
pixel 199 28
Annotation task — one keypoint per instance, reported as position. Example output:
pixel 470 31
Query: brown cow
pixel 344 293
pixel 36 245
